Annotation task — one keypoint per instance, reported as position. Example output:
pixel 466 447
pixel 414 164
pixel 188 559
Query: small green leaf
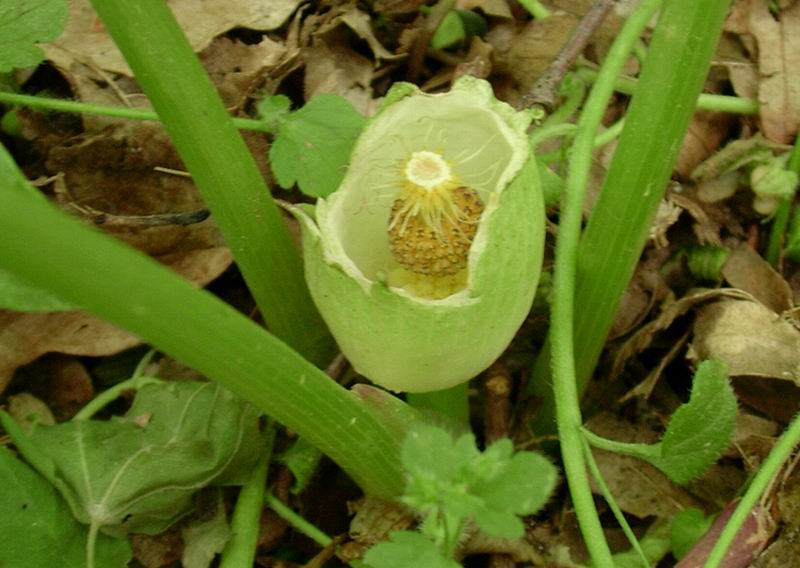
pixel 457 26
pixel 37 528
pixel 274 110
pixel 206 534
pixel 406 549
pixel 313 145
pixel 686 529
pixel 18 296
pixel 302 460
pixel 23 24
pixel 655 546
pixel 701 429
pixel 139 472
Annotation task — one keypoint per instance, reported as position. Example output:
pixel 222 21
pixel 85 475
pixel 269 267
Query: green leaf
pixel 302 460
pixel 37 528
pixel 274 110
pixel 493 487
pixel 23 24
pixel 19 296
pixel 457 26
pixel 139 472
pixel 406 549
pixel 655 546
pixel 701 429
pixel 313 145
pixel 205 535
pixel 686 529
pixel 698 432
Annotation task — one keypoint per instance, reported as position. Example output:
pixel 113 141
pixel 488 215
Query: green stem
pixel 718 103
pixel 75 107
pixel 452 403
pixel 612 503
pixel 51 251
pixel 606 136
pixel 91 544
pixel 110 395
pixel 298 522
pixel 535 8
pixel 768 470
pixel 618 229
pixel 781 219
pixel 246 521
pixel 221 166
pixel 565 389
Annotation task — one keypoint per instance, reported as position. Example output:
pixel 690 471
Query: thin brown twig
pixel 545 91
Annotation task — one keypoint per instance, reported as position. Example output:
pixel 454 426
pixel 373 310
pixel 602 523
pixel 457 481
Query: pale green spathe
pixel 396 339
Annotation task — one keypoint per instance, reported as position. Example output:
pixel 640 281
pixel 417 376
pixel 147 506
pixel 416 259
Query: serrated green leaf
pixel 701 429
pixel 23 24
pixel 18 296
pixel 686 529
pixel 523 486
pixel 139 472
pixel 406 549
pixel 37 528
pixel 313 145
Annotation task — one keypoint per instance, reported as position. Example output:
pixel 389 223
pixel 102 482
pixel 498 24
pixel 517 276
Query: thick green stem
pixel 565 386
pixel 618 228
pixel 223 169
pixel 50 251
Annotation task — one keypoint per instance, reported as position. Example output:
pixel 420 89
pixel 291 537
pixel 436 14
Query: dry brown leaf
pixel 361 23
pixel 86 40
pixel 746 270
pixel 639 488
pixel 749 338
pixel 779 68
pixel 706 132
pixel 333 67
pixel 24 337
pixel 644 336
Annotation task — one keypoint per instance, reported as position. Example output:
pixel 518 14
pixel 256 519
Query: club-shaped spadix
pixel 425 260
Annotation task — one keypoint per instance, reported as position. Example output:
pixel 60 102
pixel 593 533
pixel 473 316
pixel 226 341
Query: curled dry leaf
pixel 778 63
pixel 86 40
pixel 749 338
pixel 747 270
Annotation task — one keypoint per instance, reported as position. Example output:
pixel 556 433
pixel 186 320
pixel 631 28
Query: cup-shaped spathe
pixel 418 332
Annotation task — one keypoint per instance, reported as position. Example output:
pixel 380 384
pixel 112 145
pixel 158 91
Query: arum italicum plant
pixel 425 260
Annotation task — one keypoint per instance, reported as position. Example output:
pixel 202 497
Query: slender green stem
pixel 612 503
pixel 781 219
pixel 298 522
pixel 222 168
pixel 565 389
pixel 718 103
pixel 535 8
pixel 246 522
pixel 51 251
pixel 110 395
pixel 768 470
pixel 625 448
pixel 452 403
pixel 75 107
pixel 573 88
pixel 606 136
pixel 619 226
pixel 91 544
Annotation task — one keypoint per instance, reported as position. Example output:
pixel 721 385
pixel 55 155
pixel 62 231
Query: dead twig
pixel 545 92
